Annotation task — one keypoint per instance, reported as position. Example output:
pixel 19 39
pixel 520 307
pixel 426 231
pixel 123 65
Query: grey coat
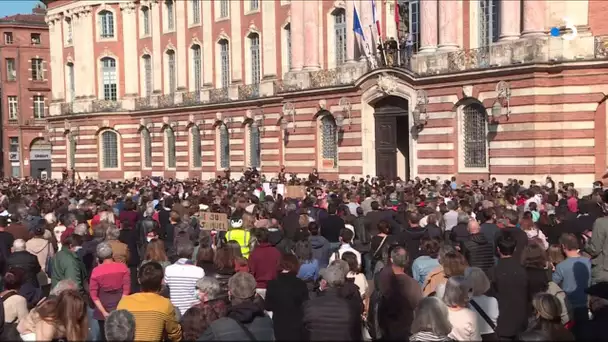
pixel 597 247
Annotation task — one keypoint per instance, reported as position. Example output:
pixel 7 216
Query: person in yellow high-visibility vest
pixel 239 234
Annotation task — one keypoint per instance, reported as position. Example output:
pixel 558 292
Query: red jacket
pixel 264 264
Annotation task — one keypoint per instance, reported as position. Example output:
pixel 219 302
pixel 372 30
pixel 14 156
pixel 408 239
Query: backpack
pixel 9 329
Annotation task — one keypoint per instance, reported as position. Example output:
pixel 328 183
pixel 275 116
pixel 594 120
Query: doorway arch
pixel 40 158
pixel 391 119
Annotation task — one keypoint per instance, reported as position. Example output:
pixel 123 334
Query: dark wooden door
pixel 386 146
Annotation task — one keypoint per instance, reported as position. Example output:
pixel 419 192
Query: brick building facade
pixel 190 88
pixel 25 94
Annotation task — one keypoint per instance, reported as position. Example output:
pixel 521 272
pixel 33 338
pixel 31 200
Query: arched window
pixel 197 66
pixel 170 147
pixel 171 71
pixel 329 139
pixel 147 74
pixel 106 24
pixel 146 143
pixel 255 148
pixel 108 71
pixel 340 35
pixel 195 136
pixel 254 45
pixel 475 136
pixel 71 82
pixel 145 17
pixel 109 149
pixel 170 15
pixel 225 63
pixel 224 147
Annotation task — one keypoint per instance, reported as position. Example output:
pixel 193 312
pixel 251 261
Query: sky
pixel 10 7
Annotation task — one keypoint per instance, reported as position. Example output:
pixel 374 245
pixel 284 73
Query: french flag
pixel 376 21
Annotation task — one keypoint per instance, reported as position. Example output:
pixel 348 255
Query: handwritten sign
pixel 214 221
pixel 295 191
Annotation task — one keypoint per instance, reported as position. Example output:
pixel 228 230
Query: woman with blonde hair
pixel 63 318
pixel 547 318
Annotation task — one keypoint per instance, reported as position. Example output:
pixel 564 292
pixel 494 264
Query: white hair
pixel 81 229
pixel 112 233
pixel 19 245
pixel 50 218
pixel 106 216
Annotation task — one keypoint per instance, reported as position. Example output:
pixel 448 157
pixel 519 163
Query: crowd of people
pixel 358 259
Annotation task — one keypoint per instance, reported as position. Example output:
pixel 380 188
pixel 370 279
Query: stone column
pixel 269 36
pixel 297 35
pixel 350 34
pixel 236 41
pixel 56 52
pixel 208 45
pixel 311 36
pixel 534 18
pixel 90 59
pixel 448 25
pixel 129 33
pixel 428 20
pixel 157 54
pixel 183 48
pixel 509 19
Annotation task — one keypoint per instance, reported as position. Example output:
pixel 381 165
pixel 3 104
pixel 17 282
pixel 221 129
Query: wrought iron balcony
pixel 67 108
pixel 249 91
pixel 191 99
pixel 143 103
pixel 105 106
pixel 218 95
pixel 166 100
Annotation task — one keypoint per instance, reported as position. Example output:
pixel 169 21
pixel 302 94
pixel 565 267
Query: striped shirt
pixel 181 279
pixel 154 316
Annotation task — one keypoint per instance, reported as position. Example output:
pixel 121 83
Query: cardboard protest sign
pixel 213 221
pixel 295 191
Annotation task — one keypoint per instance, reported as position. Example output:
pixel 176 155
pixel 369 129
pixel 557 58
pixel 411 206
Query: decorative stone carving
pixel 69 58
pixel 146 51
pixel 52 19
pixel 248 115
pixel 128 7
pixel 388 84
pixel 107 53
pixel 253 28
pixel 105 123
pixel 170 46
pixel 191 119
pixel 322 104
pixel 222 35
pixel 219 117
pixel 339 4
pixel 195 41
pixel 467 91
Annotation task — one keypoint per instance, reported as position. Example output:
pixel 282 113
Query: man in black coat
pixel 329 316
pixel 521 238
pixel 26 261
pixel 478 251
pixel 331 226
pixel 509 285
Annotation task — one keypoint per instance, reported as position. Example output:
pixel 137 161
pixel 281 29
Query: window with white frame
pixel 475 136
pixel 170 15
pixel 225 63
pixel 254 5
pixel 108 76
pixel 71 82
pixel 68 29
pixel 340 35
pixel 197 66
pixel 224 147
pixel 145 18
pixel 255 150
pixel 13 106
pixel 170 146
pixel 148 74
pixel 329 139
pixel 409 27
pixel 489 22
pixel 37 69
pixel 288 44
pixel 8 38
pixel 106 24
pixel 224 8
pixel 109 149
pixel 11 69
pixel 171 71
pixel 196 11
pixel 14 147
pixel 195 135
pixel 146 141
pixel 38 106
pixel 254 45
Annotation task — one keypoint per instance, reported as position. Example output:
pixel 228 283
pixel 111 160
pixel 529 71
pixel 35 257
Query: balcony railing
pixel 249 91
pixel 67 108
pixel 191 99
pixel 144 103
pixel 166 100
pixel 105 106
pixel 218 95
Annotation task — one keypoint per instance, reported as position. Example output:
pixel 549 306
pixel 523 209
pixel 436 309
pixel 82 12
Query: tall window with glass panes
pixel 197 64
pixel 148 74
pixel 254 42
pixel 108 71
pixel 340 36
pixel 171 71
pixel 225 63
pixel 14 157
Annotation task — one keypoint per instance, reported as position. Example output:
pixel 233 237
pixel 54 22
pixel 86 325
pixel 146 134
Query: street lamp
pixel 419 114
pixel 288 109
